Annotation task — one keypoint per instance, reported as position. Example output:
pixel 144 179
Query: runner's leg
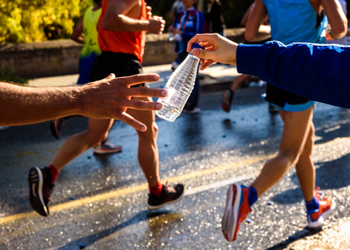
pixel 295 132
pixel 97 131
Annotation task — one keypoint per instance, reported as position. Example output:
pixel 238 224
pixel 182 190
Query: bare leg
pixel 295 133
pixel 148 149
pixel 238 82
pixel 305 167
pixel 97 131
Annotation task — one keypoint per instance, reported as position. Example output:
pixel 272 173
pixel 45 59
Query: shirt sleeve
pixel 314 71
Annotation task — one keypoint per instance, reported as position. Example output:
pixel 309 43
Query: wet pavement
pixel 99 202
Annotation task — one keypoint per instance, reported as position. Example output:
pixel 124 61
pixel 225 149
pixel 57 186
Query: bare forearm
pixel 264 33
pixel 24 105
pixel 122 23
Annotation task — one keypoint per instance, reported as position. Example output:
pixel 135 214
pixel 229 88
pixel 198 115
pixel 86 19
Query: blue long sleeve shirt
pixel 314 71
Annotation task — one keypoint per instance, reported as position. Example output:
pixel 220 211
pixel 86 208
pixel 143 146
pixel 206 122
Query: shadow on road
pixel 332 174
pixel 297 236
pixel 91 239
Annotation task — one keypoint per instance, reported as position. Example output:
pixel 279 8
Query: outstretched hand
pixel 111 97
pixel 217 49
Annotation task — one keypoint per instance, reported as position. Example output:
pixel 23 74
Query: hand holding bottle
pixel 216 49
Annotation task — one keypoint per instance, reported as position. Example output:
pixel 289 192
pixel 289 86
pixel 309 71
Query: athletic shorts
pixel 120 64
pixel 85 64
pixel 285 100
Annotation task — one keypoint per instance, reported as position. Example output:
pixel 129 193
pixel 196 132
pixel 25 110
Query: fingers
pixel 146 92
pixel 199 38
pixel 142 105
pixel 128 119
pixel 135 79
pixel 206 63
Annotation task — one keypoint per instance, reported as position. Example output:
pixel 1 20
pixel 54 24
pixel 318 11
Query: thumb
pixel 203 54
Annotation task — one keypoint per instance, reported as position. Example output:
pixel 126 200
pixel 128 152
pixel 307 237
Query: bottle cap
pixel 196 45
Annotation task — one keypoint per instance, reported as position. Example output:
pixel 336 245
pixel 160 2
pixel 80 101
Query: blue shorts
pixel 85 64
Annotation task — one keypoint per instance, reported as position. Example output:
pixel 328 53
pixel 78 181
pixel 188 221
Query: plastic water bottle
pixel 179 88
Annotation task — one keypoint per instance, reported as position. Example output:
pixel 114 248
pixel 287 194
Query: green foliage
pixel 27 20
pixel 39 20
pixel 7 75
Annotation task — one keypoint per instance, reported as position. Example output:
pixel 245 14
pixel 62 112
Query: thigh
pixel 99 127
pixel 296 129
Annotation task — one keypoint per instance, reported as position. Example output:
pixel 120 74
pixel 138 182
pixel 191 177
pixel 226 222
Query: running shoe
pixel 190 109
pixel 56 127
pixel 168 196
pixel 236 210
pixel 317 217
pixel 40 189
pixel 107 148
pixel 227 98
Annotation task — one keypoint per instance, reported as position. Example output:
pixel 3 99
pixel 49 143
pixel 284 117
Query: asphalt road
pixel 99 202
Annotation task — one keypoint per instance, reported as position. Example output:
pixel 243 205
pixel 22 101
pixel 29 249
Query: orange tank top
pixel 122 42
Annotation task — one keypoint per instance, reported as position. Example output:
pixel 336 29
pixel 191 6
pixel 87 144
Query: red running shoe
pixel 236 210
pixel 318 216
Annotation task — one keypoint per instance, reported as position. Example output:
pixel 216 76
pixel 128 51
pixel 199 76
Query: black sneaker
pixel 56 127
pixel 40 189
pixel 169 195
pixel 227 98
pixel 190 109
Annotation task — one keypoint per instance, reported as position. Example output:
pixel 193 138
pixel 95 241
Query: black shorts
pixel 120 64
pixel 285 100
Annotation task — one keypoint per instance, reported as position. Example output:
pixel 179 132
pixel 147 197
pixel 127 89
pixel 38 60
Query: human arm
pixel 78 33
pixel 316 72
pixel 105 99
pixel 255 30
pixel 336 18
pixel 122 16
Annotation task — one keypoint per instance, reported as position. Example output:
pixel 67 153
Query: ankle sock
pixel 54 173
pixel 312 205
pixel 157 190
pixel 253 196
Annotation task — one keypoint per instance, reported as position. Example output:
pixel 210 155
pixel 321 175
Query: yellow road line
pixel 129 190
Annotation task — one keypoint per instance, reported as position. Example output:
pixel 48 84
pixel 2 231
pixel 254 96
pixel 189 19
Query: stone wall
pixel 61 57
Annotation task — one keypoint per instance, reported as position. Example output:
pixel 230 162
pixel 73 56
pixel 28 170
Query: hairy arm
pixel 105 99
pixel 24 105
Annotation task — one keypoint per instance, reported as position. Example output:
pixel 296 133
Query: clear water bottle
pixel 179 88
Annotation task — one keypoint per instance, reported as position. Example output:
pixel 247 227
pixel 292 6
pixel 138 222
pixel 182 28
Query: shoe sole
pixel 54 129
pixel 225 102
pixel 101 152
pixel 191 111
pixel 319 223
pixel 167 203
pixel 230 218
pixel 35 179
